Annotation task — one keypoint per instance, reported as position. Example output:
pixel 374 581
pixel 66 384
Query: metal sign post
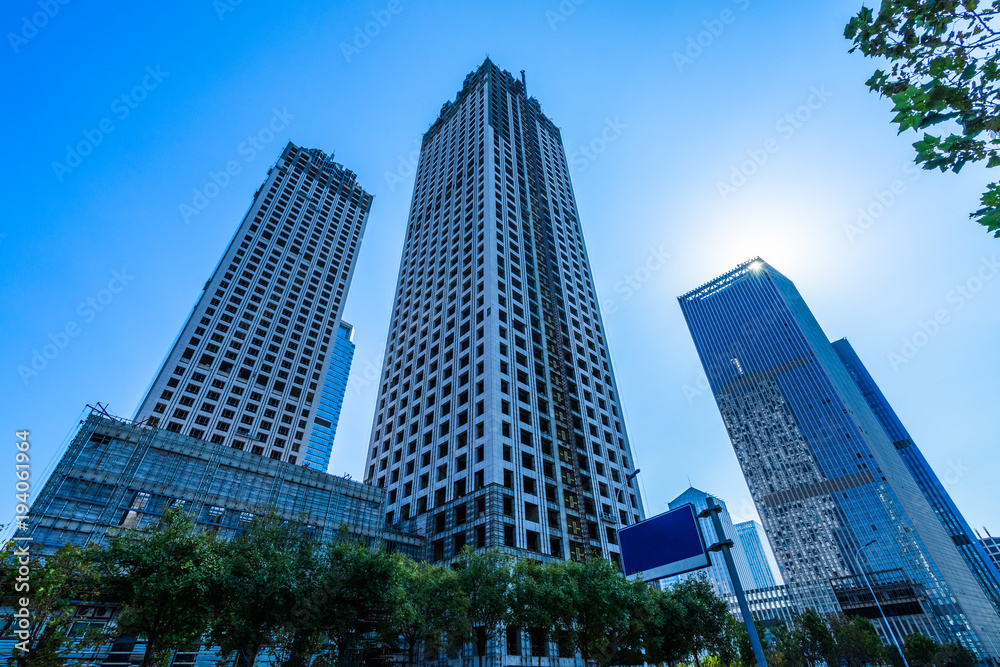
pixel 724 545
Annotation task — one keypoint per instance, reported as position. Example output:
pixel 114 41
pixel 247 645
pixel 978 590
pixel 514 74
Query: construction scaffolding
pixel 118 473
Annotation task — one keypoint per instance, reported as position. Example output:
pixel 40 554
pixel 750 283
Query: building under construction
pixel 119 473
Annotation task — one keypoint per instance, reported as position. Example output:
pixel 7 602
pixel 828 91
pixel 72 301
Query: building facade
pixel 837 502
pixel 769 606
pixel 331 400
pixel 118 473
pixel 247 367
pixel 717 573
pixel 121 473
pixel 498 420
pixel 975 556
pixel 763 569
pixel 992 546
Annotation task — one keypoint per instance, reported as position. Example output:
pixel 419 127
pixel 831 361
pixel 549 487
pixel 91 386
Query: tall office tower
pixel 954 523
pixel 752 537
pixel 717 573
pixel 498 421
pixel 331 399
pixel 247 366
pixel 838 504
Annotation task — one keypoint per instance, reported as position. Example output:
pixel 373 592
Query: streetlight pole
pixel 864 574
pixel 724 545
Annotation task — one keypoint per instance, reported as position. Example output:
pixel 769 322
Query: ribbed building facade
pixel 249 364
pixel 498 421
pixel 825 477
pixel 975 556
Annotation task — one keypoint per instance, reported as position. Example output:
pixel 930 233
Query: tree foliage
pixel 704 616
pixel 485 577
pixel 923 651
pixel 430 610
pixel 257 590
pixel 54 586
pixel 271 589
pixel 943 72
pixel 539 602
pixel 855 642
pixel 359 585
pixel 607 615
pixel 163 577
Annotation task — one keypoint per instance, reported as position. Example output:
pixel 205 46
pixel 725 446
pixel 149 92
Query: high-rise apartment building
pixel 718 572
pixel 975 556
pixel 753 539
pixel 498 420
pixel 331 399
pixel 249 365
pixel 837 502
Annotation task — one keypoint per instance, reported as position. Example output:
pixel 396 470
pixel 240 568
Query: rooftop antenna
pixel 524 84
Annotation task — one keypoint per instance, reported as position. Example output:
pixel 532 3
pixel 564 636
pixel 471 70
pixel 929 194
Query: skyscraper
pixel 331 399
pixel 717 573
pixel 754 542
pixel 248 364
pixel 498 420
pixel 838 504
pixel 954 523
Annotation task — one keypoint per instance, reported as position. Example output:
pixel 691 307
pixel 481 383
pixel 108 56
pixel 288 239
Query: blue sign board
pixel 665 545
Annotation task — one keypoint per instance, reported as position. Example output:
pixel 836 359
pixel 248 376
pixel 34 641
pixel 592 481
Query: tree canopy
pixel 273 590
pixel 943 77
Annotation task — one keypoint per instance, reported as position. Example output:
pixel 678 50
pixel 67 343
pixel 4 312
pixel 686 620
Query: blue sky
pixel 698 134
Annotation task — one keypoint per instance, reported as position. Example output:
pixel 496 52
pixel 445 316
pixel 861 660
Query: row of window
pixel 285 279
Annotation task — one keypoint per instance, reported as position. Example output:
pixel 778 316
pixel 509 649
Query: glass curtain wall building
pixel 246 368
pixel 498 422
pixel 836 500
pixel 717 573
pixel 331 399
pixel 979 562
pixel 754 541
